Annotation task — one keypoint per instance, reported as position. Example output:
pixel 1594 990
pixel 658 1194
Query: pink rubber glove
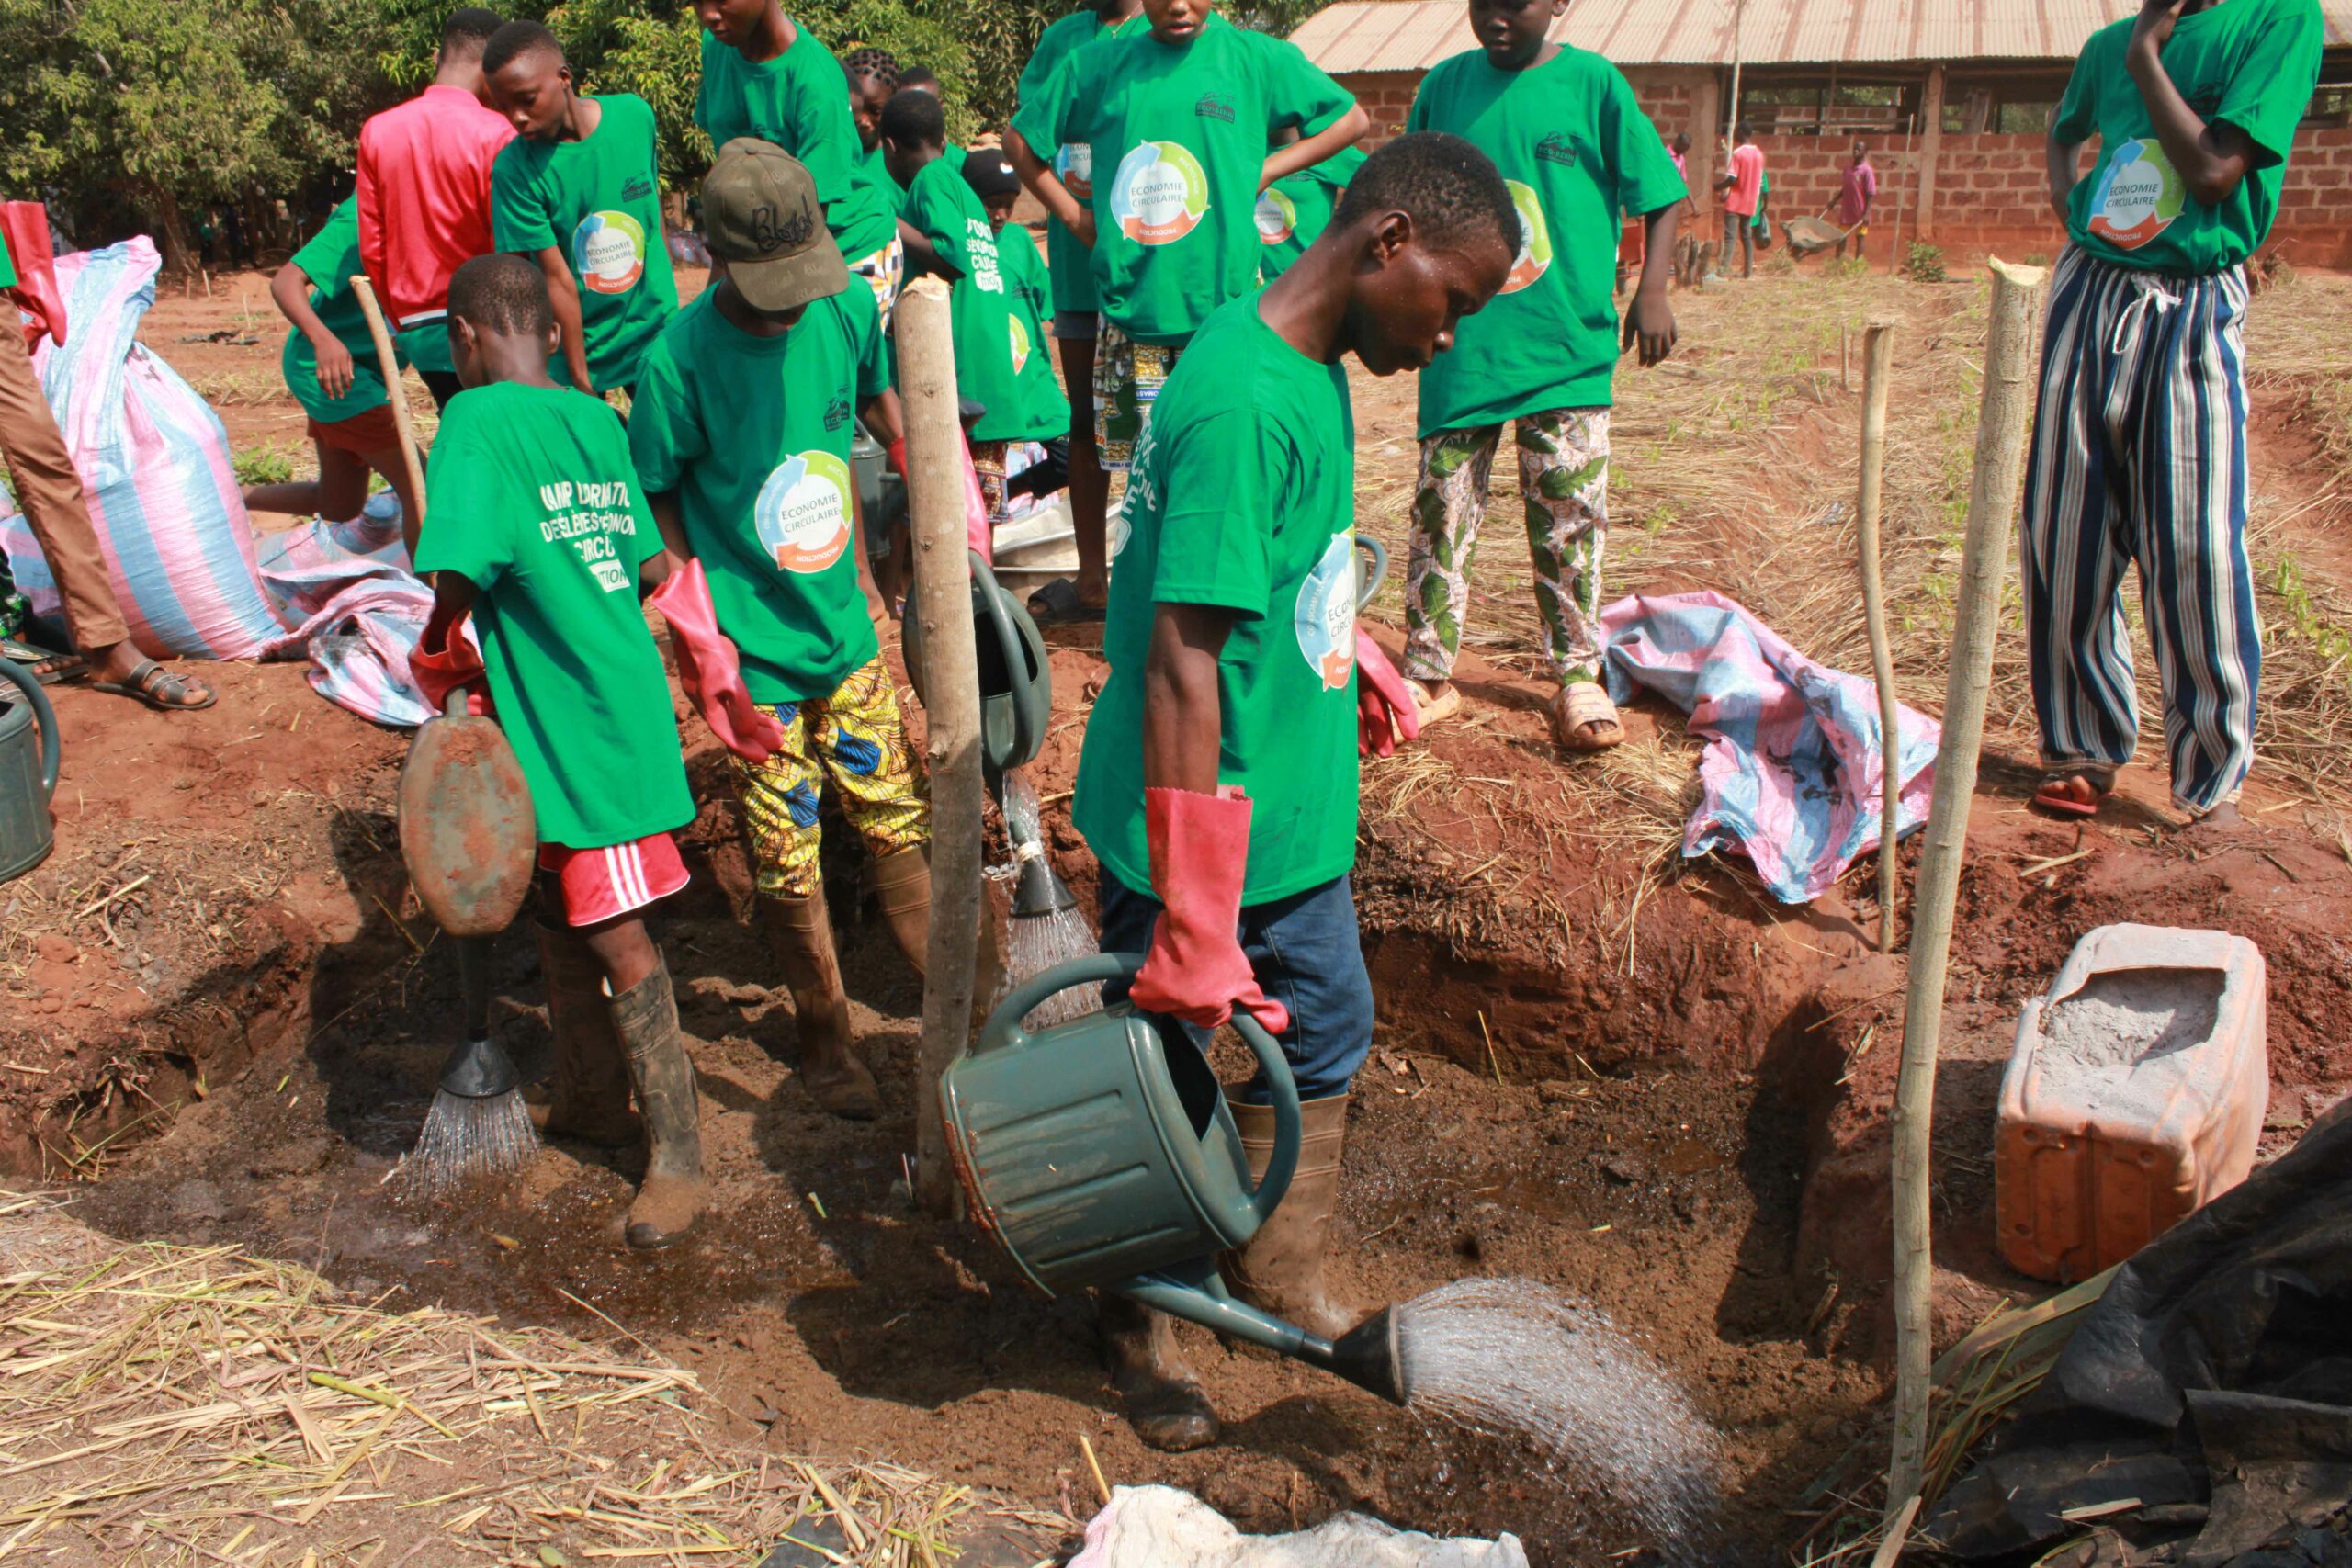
pixel 1385 705
pixel 456 663
pixel 977 531
pixel 1200 855
pixel 709 668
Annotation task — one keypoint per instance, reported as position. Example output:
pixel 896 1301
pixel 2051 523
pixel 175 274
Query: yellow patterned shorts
pixel 884 272
pixel 857 739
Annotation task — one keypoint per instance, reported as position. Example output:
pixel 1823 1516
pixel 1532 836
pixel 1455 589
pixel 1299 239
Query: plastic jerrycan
pixel 29 766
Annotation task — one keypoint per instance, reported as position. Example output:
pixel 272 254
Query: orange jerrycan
pixel 2134 1095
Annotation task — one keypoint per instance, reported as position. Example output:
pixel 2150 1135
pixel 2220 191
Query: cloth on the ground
pixel 2211 1382
pixel 1792 767
pixel 1158 1527
pixel 353 607
pixel 155 473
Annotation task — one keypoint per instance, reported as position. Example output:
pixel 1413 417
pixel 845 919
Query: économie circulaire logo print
pixel 1277 216
pixel 609 252
pixel 1160 193
pixel 1535 239
pixel 2138 195
pixel 1019 336
pixel 1326 615
pixel 1074 166
pixel 802 514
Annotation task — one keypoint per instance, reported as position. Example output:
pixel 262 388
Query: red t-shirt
pixel 424 196
pixel 1856 191
pixel 1747 179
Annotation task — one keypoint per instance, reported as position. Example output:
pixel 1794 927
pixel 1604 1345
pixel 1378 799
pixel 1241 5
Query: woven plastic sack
pixel 156 472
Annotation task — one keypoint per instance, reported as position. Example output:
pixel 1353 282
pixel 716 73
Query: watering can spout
pixel 1366 1355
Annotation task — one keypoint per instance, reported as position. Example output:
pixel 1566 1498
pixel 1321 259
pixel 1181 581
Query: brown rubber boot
pixel 802 934
pixel 902 883
pixel 1281 1270
pixel 588 1097
pixel 1165 1404
pixel 646 1018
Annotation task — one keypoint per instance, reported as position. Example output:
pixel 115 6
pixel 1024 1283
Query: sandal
pixel 2056 792
pixel 1584 719
pixel 47 667
pixel 151 683
pixel 1058 604
pixel 1437 708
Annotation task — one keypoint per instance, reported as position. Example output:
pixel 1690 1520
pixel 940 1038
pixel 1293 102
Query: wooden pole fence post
pixel 1878 344
pixel 1984 554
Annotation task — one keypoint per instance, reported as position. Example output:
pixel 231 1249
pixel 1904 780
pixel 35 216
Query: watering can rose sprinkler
pixel 1080 1159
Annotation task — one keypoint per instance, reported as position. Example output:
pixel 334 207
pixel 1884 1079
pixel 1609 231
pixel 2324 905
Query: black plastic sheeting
pixel 2212 1383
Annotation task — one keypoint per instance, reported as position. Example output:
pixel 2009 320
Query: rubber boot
pixel 671 1196
pixel 801 931
pixel 1165 1403
pixel 1281 1270
pixel 588 1097
pixel 902 883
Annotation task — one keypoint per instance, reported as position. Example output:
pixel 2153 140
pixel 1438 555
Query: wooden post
pixel 1845 379
pixel 942 602
pixel 1878 343
pixel 365 292
pixel 1901 189
pixel 1931 150
pixel 1985 555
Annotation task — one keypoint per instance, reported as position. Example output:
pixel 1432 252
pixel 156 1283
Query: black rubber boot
pixel 588 1096
pixel 671 1196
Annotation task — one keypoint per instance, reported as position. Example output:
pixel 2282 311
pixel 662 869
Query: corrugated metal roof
pixel 1412 35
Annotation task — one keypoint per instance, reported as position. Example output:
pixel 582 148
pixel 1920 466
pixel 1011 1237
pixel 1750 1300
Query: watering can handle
pixel 1379 553
pixel 53 755
pixel 1004 1028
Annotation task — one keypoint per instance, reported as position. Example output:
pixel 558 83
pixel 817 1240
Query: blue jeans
pixel 1307 953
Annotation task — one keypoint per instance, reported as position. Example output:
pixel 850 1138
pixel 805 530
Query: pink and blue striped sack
pixel 155 468
pixel 352 608
pixel 1792 768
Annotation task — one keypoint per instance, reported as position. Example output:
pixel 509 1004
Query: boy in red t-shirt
pixel 1745 182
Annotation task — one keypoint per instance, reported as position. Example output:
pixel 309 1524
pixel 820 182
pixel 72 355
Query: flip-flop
pixel 1576 709
pixel 1058 604
pixel 151 683
pixel 2052 795
pixel 59 666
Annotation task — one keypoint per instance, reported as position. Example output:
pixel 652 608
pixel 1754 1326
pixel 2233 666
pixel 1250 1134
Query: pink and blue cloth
pixel 350 604
pixel 1791 770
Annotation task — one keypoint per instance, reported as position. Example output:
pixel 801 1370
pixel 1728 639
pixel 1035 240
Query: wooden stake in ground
pixel 1877 361
pixel 1895 255
pixel 1985 555
pixel 942 603
pixel 365 292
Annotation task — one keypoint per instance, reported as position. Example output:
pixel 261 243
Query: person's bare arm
pixel 675 551
pixel 922 256
pixel 1183 720
pixel 289 290
pixel 2212 157
pixel 1038 175
pixel 2065 162
pixel 1650 319
pixel 563 297
pixel 884 420
pixel 1309 150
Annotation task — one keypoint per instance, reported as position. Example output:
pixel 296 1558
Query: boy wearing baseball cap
pixel 741 429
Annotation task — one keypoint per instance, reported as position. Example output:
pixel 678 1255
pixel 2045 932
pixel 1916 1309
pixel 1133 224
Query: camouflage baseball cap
pixel 761 215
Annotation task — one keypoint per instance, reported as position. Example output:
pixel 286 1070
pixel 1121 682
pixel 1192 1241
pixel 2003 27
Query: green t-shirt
pixel 1242 496
pixel 799 100
pixel 531 497
pixel 7 265
pixel 2250 63
pixel 1000 358
pixel 599 201
pixel 1297 207
pixel 330 260
pixel 1578 152
pixel 754 433
pixel 1029 300
pixel 1176 139
pixel 1071 265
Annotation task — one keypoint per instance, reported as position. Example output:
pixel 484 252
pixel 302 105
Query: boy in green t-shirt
pixel 1176 124
pixel 538 530
pixel 1296 208
pixel 1563 127
pixel 331 367
pixel 741 430
pixel 1076 313
pixel 2138 444
pixel 1218 785
pixel 998 364
pixel 579 193
pixel 767 77
pixel 1029 295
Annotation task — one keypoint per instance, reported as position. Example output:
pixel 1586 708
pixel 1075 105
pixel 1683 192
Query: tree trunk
pixel 172 230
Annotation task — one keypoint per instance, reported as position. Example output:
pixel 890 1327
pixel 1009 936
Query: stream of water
pixel 1514 1359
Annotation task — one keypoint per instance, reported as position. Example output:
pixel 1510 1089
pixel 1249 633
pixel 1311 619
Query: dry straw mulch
pixel 174 1404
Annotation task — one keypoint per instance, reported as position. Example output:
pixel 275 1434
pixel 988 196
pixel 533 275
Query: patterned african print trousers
pixel 857 739
pixel 1564 474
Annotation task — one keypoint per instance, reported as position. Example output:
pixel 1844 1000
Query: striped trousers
pixel 2139 457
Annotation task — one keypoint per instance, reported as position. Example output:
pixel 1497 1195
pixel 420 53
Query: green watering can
pixel 28 764
pixel 1016 682
pixel 1082 1159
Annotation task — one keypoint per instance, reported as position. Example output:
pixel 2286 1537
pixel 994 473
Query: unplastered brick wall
pixel 1387 97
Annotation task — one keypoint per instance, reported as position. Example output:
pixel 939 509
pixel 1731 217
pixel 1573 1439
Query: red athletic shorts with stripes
pixel 603 885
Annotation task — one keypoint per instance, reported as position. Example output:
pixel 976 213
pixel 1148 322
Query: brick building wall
pixel 1989 190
